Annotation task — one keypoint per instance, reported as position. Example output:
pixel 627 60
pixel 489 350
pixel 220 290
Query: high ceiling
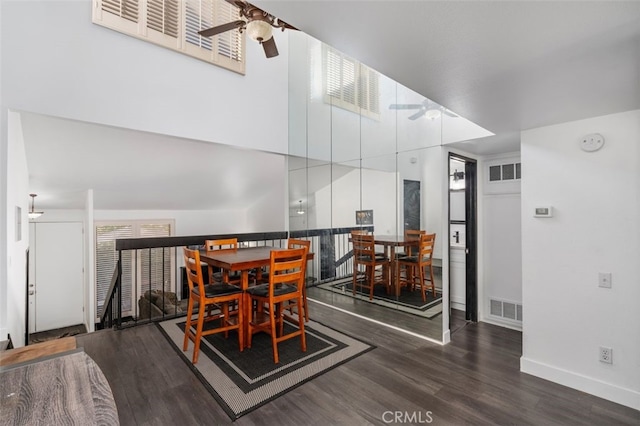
pixel 507 66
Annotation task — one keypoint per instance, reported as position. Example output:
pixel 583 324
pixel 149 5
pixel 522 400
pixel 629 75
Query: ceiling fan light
pixel 259 30
pixel 432 113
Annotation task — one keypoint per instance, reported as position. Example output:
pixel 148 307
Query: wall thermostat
pixel 592 142
pixel 544 212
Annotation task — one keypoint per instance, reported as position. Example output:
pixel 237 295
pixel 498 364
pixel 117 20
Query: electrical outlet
pixel 606 355
pixel 604 279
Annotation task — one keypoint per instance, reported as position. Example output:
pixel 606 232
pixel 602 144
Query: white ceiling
pixel 507 66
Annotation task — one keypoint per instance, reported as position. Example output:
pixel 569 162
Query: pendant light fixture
pixel 32 213
pixel 300 211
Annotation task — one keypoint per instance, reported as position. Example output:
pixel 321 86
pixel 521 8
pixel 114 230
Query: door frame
pixel 471 232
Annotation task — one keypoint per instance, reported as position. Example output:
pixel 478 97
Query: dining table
pixel 242 260
pixel 390 242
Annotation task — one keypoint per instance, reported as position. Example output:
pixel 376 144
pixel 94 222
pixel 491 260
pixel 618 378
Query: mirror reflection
pixel 365 159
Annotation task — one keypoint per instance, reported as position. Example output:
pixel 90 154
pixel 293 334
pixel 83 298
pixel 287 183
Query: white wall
pixel 13 295
pixel 596 201
pixel 502 242
pixel 57 62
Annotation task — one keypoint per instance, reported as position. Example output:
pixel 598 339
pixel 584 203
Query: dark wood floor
pixel 473 380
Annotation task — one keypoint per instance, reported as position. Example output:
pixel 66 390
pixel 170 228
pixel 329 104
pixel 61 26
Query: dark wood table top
pixel 241 259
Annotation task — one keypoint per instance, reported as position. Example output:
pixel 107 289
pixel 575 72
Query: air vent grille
pixel 505 172
pixel 508 310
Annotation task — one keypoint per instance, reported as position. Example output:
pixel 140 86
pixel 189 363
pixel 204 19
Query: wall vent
pixel 505 172
pixel 504 309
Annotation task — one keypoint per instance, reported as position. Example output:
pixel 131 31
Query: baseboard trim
pixel 488 320
pixel 608 391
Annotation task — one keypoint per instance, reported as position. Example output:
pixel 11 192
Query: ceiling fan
pixel 427 108
pixel 256 22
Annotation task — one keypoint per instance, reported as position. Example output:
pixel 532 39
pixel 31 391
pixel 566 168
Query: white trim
pixel 617 394
pixel 513 325
pixel 411 333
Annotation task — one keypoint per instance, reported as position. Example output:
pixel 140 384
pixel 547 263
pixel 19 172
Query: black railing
pixel 165 296
pixel 112 301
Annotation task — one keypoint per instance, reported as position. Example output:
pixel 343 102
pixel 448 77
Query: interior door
pixel 58 280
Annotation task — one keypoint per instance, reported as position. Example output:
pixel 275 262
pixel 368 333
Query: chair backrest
pixel 194 270
pixel 359 232
pixel 364 247
pixel 427 242
pixel 287 266
pixel 414 233
pixel 296 243
pixel 227 244
pixel 410 235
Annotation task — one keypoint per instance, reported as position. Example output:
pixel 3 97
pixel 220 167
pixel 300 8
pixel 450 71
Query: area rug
pixel 243 381
pixel 409 301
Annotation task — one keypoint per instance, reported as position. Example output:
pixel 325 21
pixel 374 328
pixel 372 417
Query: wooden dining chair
pixel 223 245
pixel 299 243
pixel 412 234
pixel 376 265
pixel 221 295
pixel 287 269
pixel 415 265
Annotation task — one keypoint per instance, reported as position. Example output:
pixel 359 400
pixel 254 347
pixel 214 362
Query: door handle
pixel 466 251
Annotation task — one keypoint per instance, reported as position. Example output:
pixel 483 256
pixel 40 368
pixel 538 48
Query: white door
pixel 59 275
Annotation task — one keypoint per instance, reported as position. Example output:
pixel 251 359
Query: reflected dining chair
pixel 415 265
pixel 287 269
pixel 221 295
pixel 223 245
pixel 364 255
pixel 298 243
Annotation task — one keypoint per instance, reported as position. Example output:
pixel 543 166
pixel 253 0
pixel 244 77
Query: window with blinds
pixel 142 270
pixel 174 24
pixel 350 85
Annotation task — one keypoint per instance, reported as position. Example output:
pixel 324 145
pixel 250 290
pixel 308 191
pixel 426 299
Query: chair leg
pixel 303 337
pixel 433 283
pixel 241 322
pixel 274 343
pixel 372 280
pixel 304 304
pixel 423 288
pixel 187 326
pixel 199 327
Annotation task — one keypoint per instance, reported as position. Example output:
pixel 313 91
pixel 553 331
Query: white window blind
pixel 156 271
pixel 106 258
pixel 142 270
pixel 174 24
pixel 350 85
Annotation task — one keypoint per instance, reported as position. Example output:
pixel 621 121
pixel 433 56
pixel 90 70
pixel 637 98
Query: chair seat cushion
pixel 411 259
pixel 380 257
pixel 220 289
pixel 262 290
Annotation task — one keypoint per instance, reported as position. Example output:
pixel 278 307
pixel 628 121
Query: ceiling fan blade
pixel 417 114
pixel 222 28
pixel 270 48
pixel 405 106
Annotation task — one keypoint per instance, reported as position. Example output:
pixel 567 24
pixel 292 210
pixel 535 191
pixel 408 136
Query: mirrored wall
pixel 364 153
